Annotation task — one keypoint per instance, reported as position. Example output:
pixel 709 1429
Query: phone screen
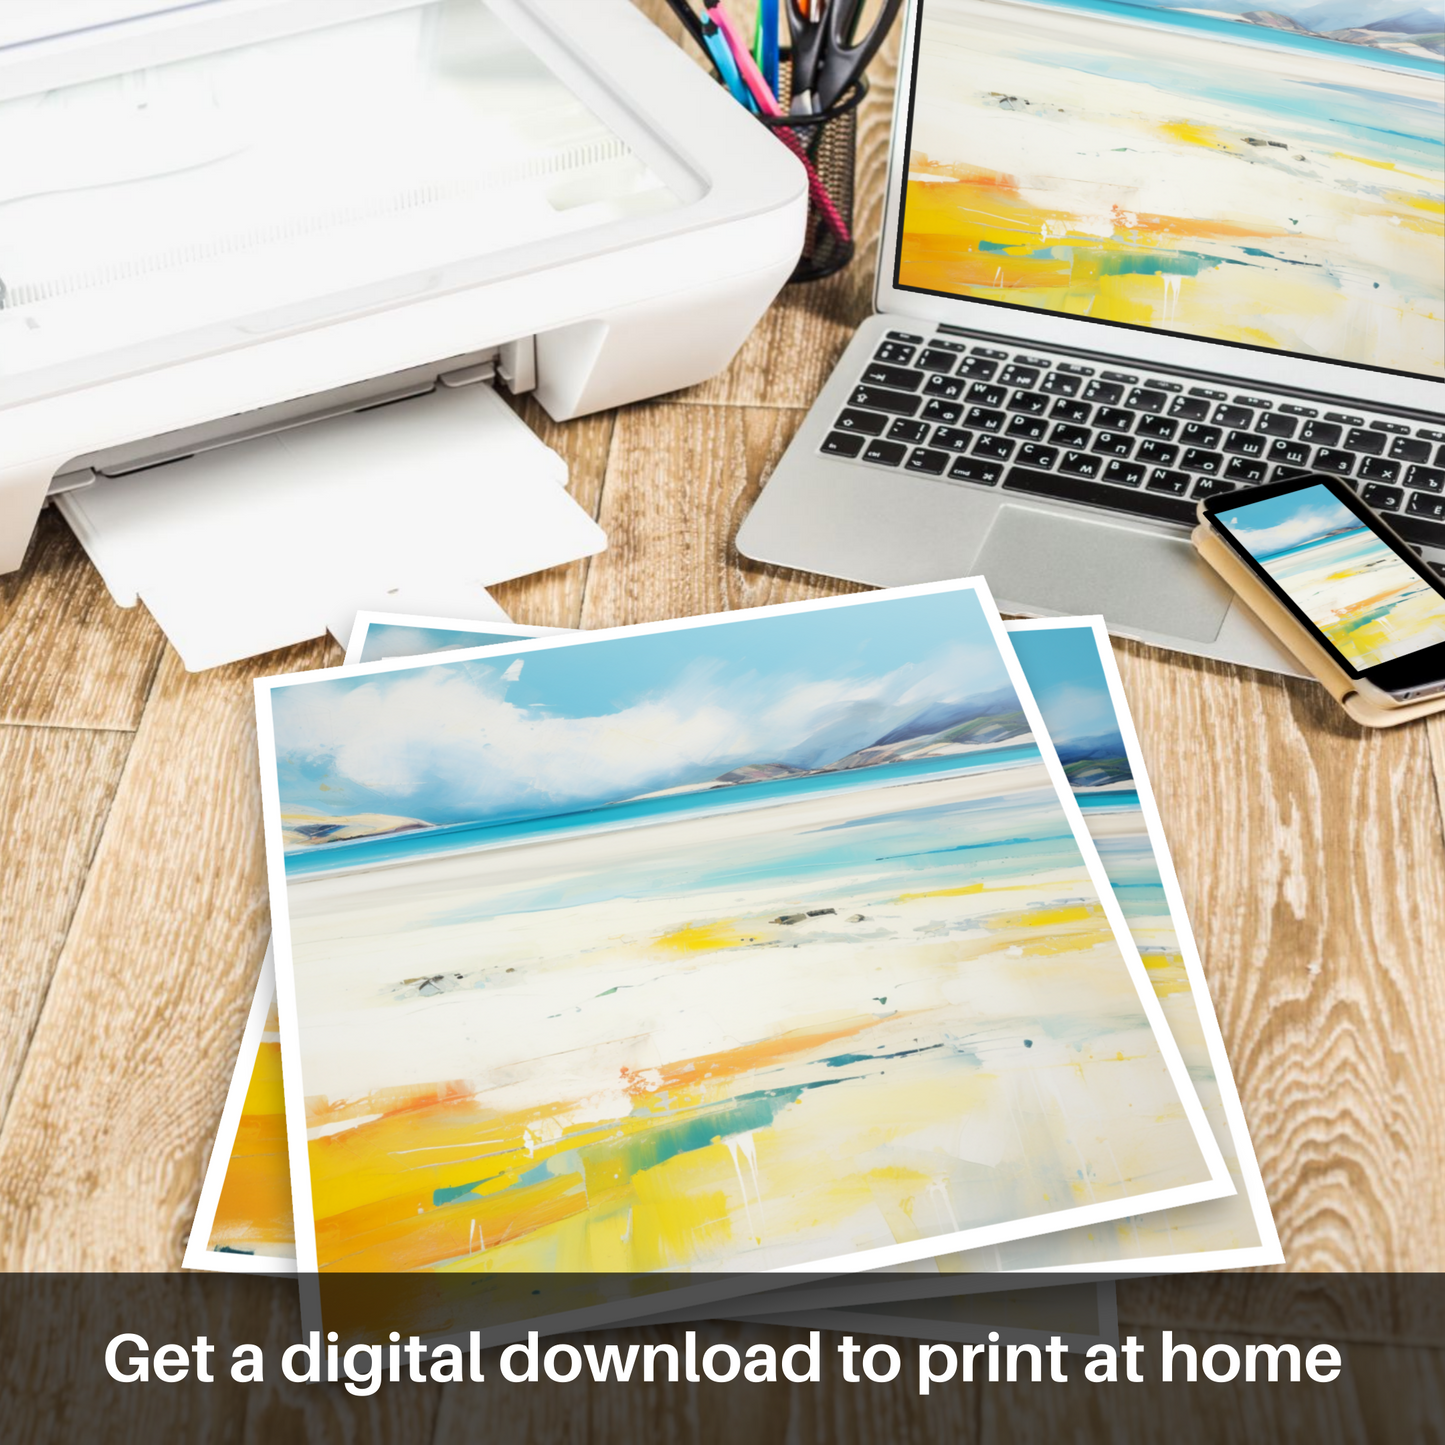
pixel 1366 601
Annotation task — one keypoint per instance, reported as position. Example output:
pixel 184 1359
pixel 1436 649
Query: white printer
pixel 226 223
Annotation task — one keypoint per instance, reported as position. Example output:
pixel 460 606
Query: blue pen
pixel 727 67
pixel 768 60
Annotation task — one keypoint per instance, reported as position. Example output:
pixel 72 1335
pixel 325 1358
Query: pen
pixel 717 44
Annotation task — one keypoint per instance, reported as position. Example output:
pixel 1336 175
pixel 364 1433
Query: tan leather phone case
pixel 1262 602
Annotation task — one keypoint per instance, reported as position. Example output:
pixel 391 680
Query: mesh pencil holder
pixel 827 145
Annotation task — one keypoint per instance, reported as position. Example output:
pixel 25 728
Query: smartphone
pixel 1338 568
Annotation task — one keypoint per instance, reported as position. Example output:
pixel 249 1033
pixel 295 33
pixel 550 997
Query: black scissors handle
pixel 846 57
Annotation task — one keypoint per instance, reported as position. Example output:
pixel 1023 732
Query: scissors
pixel 828 56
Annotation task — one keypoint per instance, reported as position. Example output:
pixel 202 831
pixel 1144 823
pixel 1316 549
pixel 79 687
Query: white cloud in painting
pixel 445 743
pixel 1304 526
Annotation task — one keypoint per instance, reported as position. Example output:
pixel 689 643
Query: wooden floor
pixel 133 907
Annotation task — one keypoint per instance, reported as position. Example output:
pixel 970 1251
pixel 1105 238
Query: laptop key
pixel 1124 474
pixel 1199 460
pixel 979 368
pixel 1156 454
pixel 1195 435
pixel 1416 529
pixel 1113 444
pixel 867 422
pixel 878 398
pixel 1381 498
pixel 1060 383
pixel 1330 459
pixel 1066 410
pixel 1161 427
pixel 972 469
pixel 1161 479
pixel 985 395
pixel 1245 443
pixel 1322 433
pixel 1377 469
pixel 1035 403
pixel 1372 443
pixel 1427 479
pixel 895 353
pixel 904 378
pixel 1423 505
pixel 1035 456
pixel 1235 416
pixel 924 459
pixel 955 439
pixel 1245 469
pixel 1290 453
pixel 843 444
pixel 1030 427
pixel 948 387
pixel 1070 436
pixel 1407 449
pixel 996 447
pixel 1210 487
pixel 1107 392
pixel 945 411
pixel 1016 375
pixel 905 336
pixel 1189 408
pixel 1081 464
pixel 1144 398
pixel 886 454
pixel 1070 487
pixel 982 419
pixel 1113 418
pixel 1272 424
pixel 932 359
pixel 905 429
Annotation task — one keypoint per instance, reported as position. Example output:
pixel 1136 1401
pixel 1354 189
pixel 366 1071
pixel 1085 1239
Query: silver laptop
pixel 1132 255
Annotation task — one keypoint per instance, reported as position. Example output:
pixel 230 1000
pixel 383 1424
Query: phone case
pixel 1262 602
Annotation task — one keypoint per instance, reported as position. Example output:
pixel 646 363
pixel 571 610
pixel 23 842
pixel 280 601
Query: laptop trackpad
pixel 1072 565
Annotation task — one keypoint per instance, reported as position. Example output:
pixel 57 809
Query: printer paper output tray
pixel 416 506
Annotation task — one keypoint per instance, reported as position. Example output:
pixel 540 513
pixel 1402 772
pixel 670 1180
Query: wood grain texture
pixel 56 786
pixel 69 657
pixel 1311 859
pixel 680 480
pixel 112 1117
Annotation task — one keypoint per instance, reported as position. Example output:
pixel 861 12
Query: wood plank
pixel 69 657
pixel 102 1150
pixel 56 786
pixel 679 482
pixel 1311 858
pixel 554 598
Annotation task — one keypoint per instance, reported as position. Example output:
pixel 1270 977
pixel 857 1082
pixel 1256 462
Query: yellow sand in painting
pixel 253 1214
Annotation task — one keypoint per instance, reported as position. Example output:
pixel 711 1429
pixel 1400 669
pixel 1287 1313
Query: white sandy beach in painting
pixel 977 1018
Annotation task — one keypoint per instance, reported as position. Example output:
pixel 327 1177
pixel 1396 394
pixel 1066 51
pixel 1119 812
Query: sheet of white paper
pixel 416 506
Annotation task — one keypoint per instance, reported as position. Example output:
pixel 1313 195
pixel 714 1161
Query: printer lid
pixel 181 178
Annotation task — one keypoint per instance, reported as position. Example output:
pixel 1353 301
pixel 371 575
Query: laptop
pixel 1133 255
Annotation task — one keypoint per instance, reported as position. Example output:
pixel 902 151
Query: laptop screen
pixel 1269 178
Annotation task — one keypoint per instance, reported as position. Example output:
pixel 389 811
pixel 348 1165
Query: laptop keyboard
pixel 1140 444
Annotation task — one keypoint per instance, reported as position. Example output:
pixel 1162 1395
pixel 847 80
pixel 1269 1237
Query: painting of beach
pixel 745 946
pixel 1370 603
pixel 1182 172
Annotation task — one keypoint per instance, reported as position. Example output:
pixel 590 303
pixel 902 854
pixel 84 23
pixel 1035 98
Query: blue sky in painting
pixel 1280 524
pixel 1068 683
pixel 582 725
